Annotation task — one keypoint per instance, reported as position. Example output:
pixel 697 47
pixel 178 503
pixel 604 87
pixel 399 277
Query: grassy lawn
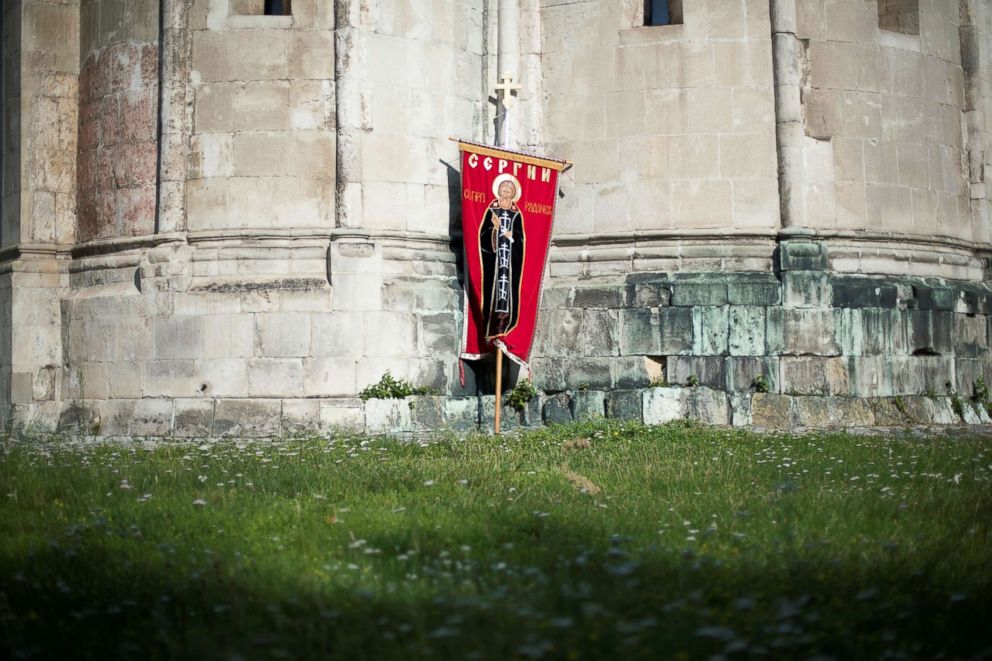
pixel 575 542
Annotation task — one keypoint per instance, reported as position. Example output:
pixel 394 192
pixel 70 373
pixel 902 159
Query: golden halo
pixel 506 176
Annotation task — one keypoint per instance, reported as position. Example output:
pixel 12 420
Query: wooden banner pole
pixel 499 388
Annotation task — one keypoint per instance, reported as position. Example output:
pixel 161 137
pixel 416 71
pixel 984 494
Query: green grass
pixel 685 542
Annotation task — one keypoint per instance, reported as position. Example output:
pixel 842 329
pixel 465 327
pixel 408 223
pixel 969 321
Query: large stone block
pixel 193 418
pixel 283 334
pixel 462 413
pixel 152 417
pixel 931 332
pixel 806 289
pixel 557 409
pixel 967 372
pixel 814 375
pixel 337 333
pixel 592 373
pixel 428 412
pixel 169 378
pixel 634 372
pixel 300 417
pixel 742 372
pixel 941 410
pixel 640 332
pixel 740 409
pixel 935 298
pixel 864 293
pixel 918 375
pixel 709 406
pixel 624 405
pixel 747 331
pixel 709 291
pixel 884 331
pixel 676 329
pixel 438 333
pixel 275 377
pixel 770 411
pixel 578 332
pixel 970 335
pixel 661 405
pixel 765 291
pixel 710 330
pixel 648 291
pixel 247 418
pixel 548 374
pixel 801 332
pixel 588 404
pixel 822 412
pixel 388 416
pixel 598 297
pixel 342 415
pixel 697 370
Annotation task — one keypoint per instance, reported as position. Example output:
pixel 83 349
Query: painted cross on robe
pixel 503 294
pixel 504 256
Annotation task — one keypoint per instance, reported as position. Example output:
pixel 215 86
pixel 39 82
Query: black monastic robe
pixel 502 268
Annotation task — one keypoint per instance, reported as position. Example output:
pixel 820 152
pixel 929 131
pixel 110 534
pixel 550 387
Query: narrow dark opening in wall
pixel 278 7
pixel 662 12
pixel 899 16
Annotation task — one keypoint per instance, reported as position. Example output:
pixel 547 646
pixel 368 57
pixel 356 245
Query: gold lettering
pixel 474 196
pixel 536 207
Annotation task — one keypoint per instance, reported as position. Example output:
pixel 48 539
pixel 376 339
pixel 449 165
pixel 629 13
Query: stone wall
pixel 673 125
pixel 118 117
pixel 10 141
pixel 885 149
pixel 263 152
pixel 48 126
pixel 806 332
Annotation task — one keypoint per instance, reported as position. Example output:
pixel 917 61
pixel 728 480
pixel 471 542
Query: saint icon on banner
pixel 501 243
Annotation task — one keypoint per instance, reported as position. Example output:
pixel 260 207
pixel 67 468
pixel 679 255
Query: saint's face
pixel 507 191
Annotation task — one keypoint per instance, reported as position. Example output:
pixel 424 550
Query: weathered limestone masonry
pixel 218 222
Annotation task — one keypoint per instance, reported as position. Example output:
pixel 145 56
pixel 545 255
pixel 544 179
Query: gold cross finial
pixel 505 88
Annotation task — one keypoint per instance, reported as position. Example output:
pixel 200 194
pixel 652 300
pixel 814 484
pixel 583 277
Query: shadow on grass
pixel 86 601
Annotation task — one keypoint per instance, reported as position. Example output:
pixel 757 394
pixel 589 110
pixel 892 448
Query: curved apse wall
pixel 118 90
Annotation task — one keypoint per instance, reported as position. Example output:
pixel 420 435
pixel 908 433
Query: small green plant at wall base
pixel 900 404
pixel 390 387
pixel 760 384
pixel 692 381
pixel 522 393
pixel 658 382
pixel 980 391
pixel 957 404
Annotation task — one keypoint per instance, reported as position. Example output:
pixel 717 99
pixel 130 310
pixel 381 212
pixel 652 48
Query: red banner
pixel 508 205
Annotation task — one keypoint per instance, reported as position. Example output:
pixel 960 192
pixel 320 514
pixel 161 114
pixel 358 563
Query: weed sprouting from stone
pixel 390 387
pixel 521 394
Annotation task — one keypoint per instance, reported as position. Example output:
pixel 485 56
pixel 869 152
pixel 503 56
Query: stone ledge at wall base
pixel 420 417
